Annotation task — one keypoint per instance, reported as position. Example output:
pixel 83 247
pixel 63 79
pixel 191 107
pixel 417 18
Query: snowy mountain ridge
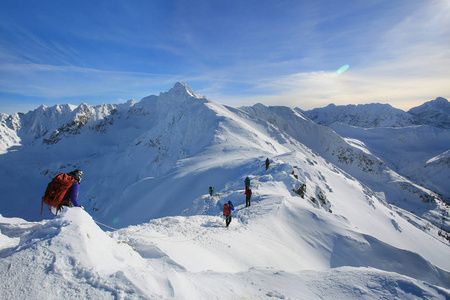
pixel 434 113
pixel 362 115
pixel 326 220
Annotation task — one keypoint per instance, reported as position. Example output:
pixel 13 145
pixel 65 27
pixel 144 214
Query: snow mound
pixel 71 257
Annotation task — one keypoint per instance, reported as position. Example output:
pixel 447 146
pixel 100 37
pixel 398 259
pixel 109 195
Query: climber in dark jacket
pixel 267 163
pixel 248 196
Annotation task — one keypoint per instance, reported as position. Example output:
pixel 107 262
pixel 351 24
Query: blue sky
pixel 234 52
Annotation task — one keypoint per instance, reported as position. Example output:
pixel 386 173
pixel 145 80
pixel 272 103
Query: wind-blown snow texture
pixel 148 165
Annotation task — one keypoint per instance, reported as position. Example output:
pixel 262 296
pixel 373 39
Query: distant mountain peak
pixel 435 112
pixel 175 100
pixel 439 103
pixel 442 101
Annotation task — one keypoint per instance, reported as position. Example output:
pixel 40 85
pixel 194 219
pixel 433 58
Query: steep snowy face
pixel 365 115
pixel 434 113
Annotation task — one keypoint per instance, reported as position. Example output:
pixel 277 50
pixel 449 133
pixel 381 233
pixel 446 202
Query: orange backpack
pixel 56 190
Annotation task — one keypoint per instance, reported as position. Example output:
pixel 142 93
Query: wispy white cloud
pixel 49 81
pixel 23 46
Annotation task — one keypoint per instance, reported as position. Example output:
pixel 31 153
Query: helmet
pixel 77 175
pixel 229 202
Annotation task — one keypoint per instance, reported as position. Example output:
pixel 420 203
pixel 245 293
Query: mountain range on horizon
pixel 434 113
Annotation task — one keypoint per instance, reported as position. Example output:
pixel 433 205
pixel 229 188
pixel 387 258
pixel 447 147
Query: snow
pixel 407 150
pixel 152 231
pixel 372 170
pixel 280 247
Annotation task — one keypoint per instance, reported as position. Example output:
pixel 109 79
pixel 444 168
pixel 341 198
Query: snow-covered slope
pixel 313 231
pixel 419 153
pixel 355 158
pixel 283 246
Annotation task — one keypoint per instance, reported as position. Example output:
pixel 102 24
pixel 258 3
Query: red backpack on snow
pixel 56 190
pixel 226 209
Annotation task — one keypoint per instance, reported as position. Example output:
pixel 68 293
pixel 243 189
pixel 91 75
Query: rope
pixel 115 229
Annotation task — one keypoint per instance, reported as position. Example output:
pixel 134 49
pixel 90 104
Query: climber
pixel 227 208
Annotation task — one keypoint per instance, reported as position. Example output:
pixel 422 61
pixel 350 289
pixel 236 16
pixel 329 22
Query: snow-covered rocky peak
pixel 184 89
pixel 435 113
pixel 180 91
pixel 177 98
